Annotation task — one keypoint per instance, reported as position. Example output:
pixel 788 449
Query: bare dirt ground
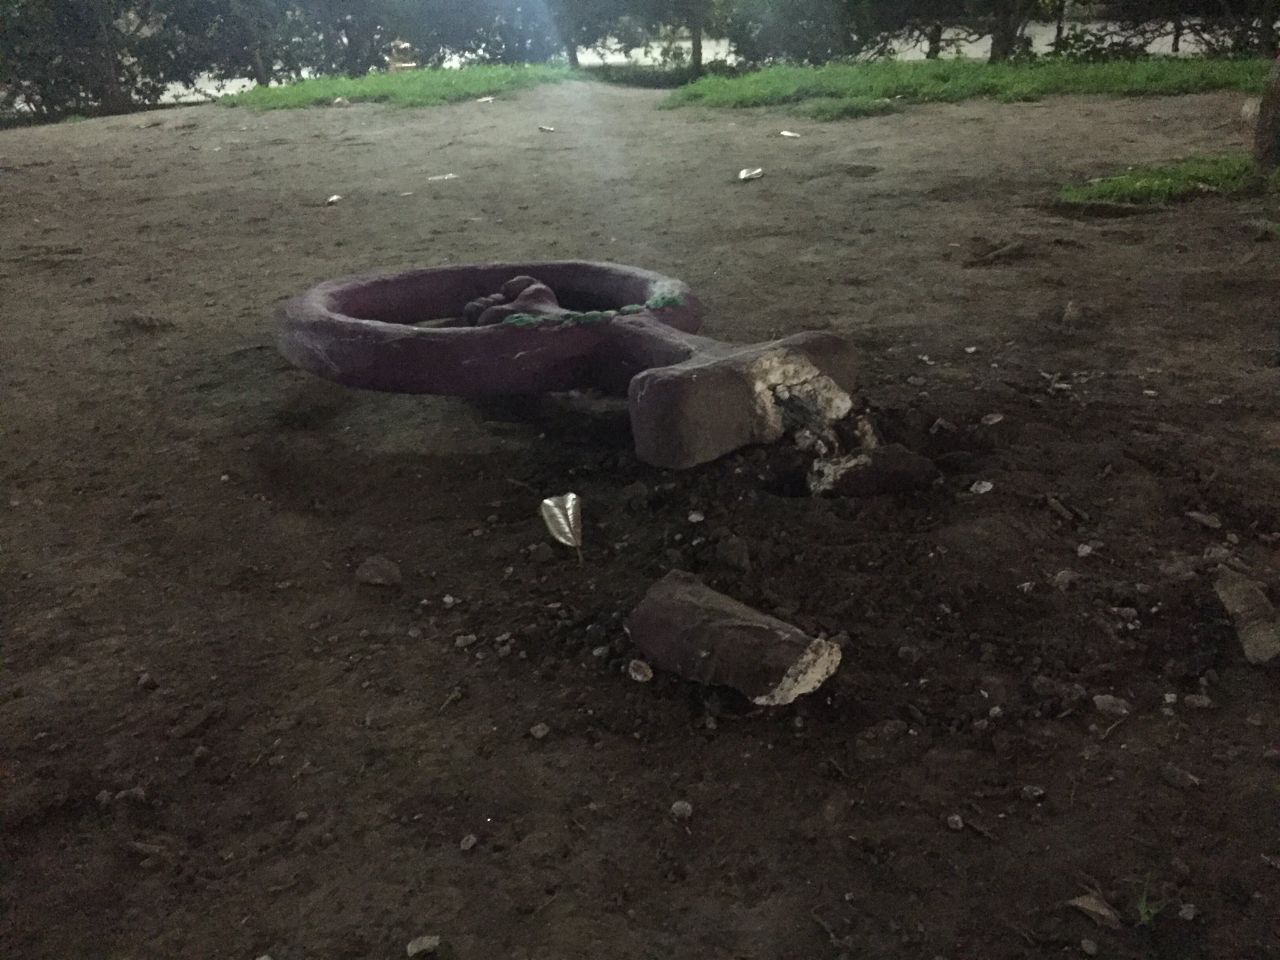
pixel 215 743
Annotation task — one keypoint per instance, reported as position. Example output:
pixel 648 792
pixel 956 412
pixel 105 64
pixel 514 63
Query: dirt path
pixel 216 744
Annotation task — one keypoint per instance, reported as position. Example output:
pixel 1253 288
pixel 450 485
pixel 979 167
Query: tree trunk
pixel 1267 29
pixel 1266 136
pixel 697 23
pixel 112 97
pixel 1060 22
pixel 571 51
pixel 1004 30
pixel 261 75
pixel 1177 34
pixel 933 37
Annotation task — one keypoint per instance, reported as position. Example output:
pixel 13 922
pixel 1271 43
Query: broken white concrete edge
pixel 810 671
pixel 1254 617
pixel 804 381
pixel 825 474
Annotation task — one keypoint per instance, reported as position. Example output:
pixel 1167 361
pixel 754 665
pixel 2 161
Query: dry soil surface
pixel 215 743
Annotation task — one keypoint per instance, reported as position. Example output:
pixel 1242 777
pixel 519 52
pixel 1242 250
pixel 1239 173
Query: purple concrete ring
pixel 361 331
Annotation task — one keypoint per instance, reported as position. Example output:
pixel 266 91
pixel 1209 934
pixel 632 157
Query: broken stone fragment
pixel 701 635
pixel 1255 618
pixel 887 469
pixel 378 571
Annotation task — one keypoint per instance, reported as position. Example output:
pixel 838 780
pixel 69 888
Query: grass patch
pixel 950 81
pixel 848 108
pixel 411 88
pixel 639 75
pixel 1227 175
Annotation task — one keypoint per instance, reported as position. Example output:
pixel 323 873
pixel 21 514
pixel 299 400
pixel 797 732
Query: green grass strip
pixel 951 81
pixel 1226 175
pixel 411 88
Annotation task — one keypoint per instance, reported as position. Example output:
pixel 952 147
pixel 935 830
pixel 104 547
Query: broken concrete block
pixel 887 469
pixel 720 397
pixel 1255 618
pixel 691 630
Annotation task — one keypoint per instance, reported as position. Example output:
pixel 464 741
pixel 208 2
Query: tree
pixel 1266 136
pixel 59 56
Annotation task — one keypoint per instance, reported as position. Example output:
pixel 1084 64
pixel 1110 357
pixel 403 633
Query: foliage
pixel 67 56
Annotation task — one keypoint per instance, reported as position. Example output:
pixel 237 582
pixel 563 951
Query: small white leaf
pixel 1097 910
pixel 563 517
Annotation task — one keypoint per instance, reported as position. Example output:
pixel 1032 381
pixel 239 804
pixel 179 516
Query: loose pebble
pixel 1112 706
pixel 539 731
pixel 682 810
pixel 378 571
pixel 468 842
pixel 955 822
pixel 639 671
pixel 422 946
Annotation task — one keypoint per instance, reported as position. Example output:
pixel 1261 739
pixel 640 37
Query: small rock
pixel 1208 520
pixel 734 553
pixel 448 601
pixel 464 641
pixel 1199 701
pixel 1033 793
pixel 981 487
pixel 1084 550
pixel 991 419
pixel 639 671
pixel 146 682
pixel 635 495
pixel 422 946
pixel 302 817
pixel 1088 948
pixel 1188 911
pixel 539 731
pixel 955 822
pixel 1177 777
pixel 908 653
pixel 1064 580
pixel 682 810
pixel 378 571
pixel 697 516
pixel 133 794
pixel 341 102
pixel 198 720
pixel 1112 706
pixel 468 842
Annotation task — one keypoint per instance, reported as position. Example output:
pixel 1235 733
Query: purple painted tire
pixel 359 331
